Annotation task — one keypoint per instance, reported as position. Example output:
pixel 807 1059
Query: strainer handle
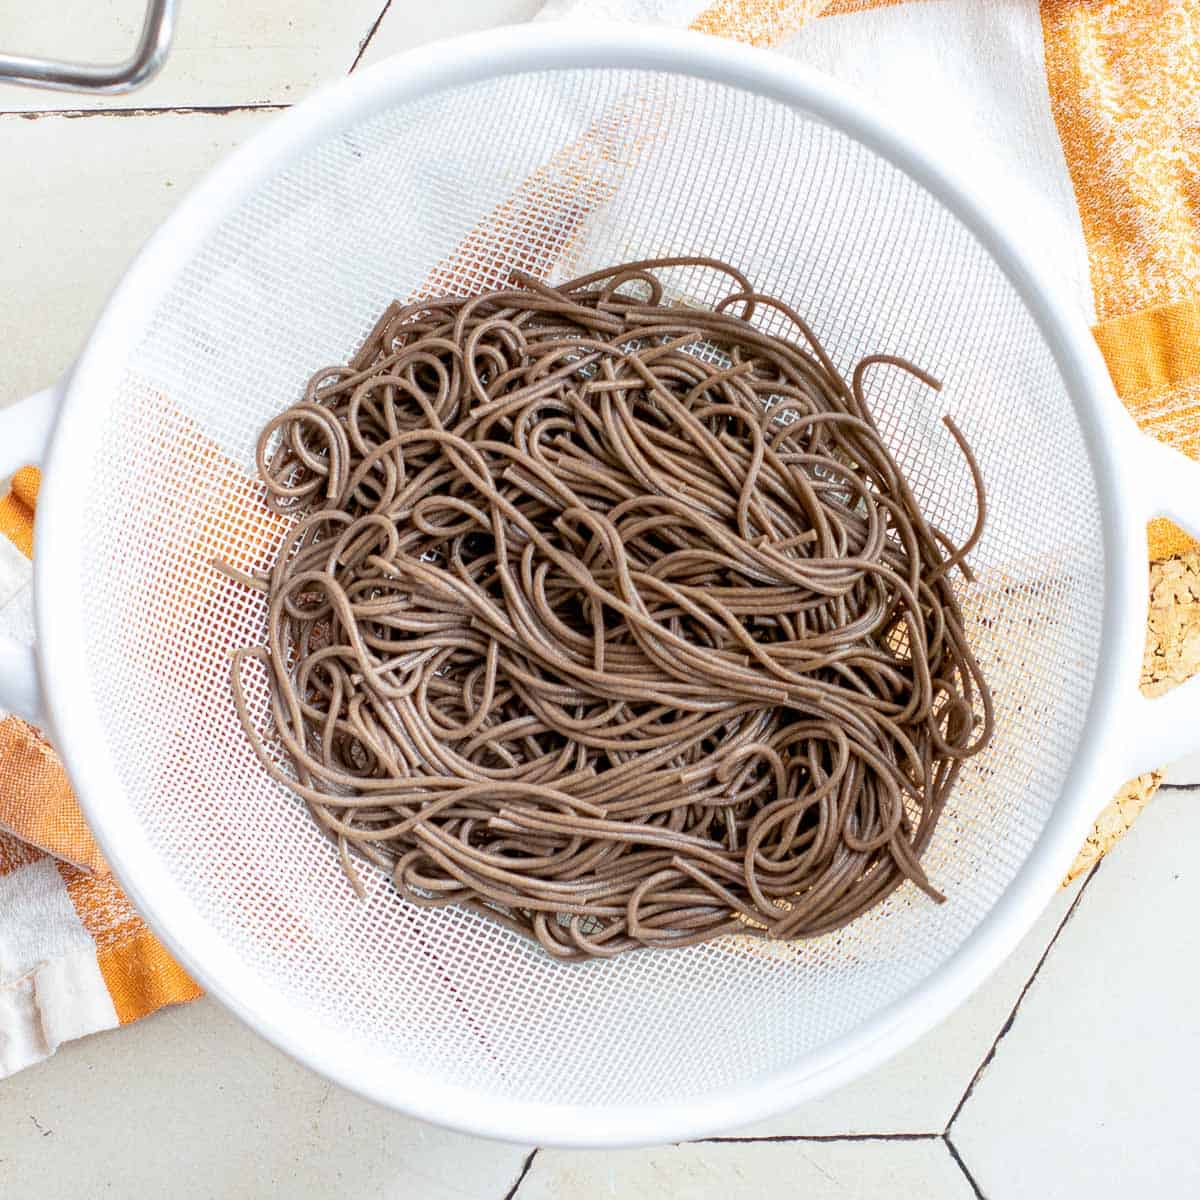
pixel 1166 728
pixel 25 429
pixel 107 78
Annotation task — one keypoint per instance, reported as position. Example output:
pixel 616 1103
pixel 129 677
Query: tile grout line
pixel 512 1191
pixel 815 1137
pixel 210 110
pixel 962 1166
pixel 362 46
pixel 1012 1016
pixel 775 1139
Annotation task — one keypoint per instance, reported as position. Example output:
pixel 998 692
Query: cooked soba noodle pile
pixel 613 618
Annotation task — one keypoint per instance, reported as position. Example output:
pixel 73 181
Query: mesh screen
pixel 561 172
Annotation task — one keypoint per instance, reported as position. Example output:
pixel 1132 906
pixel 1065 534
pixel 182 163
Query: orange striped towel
pixel 74 956
pixel 1077 112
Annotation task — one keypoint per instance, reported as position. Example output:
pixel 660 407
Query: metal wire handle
pixel 145 62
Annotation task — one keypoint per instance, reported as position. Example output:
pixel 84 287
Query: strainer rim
pixel 79 732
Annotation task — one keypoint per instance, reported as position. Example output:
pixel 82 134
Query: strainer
pixel 561 149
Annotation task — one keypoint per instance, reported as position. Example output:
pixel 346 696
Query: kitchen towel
pixel 74 956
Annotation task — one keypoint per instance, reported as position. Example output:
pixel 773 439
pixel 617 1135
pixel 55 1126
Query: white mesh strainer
pixel 560 150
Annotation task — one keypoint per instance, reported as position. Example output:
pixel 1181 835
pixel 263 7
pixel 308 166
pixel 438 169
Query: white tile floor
pixel 1078 1059
pixel 1094 1090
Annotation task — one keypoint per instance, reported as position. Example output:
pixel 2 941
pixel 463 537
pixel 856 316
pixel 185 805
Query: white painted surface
pixel 1185 772
pixel 1091 1092
pixel 90 192
pixel 225 51
pixel 191 1104
pixel 1095 1090
pixel 714 1171
pixel 918 1091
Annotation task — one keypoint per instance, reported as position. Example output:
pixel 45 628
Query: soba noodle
pixel 613 618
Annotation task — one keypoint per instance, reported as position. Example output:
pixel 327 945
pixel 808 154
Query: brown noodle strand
pixel 615 620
